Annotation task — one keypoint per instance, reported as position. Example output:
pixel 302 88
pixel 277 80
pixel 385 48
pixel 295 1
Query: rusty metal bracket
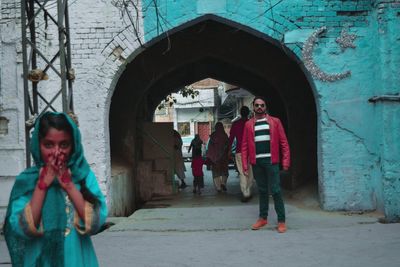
pixel 385 98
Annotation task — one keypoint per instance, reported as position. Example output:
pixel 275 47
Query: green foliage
pixel 187 91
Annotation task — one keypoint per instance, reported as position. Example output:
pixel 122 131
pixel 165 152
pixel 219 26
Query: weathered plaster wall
pixel 388 24
pixel 92 28
pixel 188 109
pixel 12 146
pixel 101 41
pixel 99 46
pixel 193 114
pixel 121 188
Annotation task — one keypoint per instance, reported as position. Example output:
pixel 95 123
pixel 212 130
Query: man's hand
pixel 246 172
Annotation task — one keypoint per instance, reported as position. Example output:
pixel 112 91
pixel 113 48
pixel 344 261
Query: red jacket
pixel 237 131
pixel 278 142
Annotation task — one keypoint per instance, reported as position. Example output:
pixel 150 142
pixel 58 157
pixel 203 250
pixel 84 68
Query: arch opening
pixel 223 50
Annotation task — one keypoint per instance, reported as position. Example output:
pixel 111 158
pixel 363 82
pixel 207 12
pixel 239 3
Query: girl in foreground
pixel 56 205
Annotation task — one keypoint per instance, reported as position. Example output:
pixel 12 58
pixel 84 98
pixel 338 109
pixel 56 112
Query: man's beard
pixel 259 111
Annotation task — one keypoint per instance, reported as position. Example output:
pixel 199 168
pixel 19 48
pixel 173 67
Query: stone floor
pixel 213 229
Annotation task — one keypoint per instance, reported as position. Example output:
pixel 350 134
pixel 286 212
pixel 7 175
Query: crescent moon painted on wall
pixel 315 71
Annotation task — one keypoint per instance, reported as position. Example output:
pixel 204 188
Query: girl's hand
pixel 53 164
pixel 49 171
pixel 60 164
pixel 65 179
pixel 60 160
pixel 57 166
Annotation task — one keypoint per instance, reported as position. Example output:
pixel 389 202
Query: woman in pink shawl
pixel 218 155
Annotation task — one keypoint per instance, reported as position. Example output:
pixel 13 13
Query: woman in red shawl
pixel 218 155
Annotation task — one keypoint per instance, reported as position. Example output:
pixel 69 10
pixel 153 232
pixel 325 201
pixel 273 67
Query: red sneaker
pixel 281 227
pixel 259 223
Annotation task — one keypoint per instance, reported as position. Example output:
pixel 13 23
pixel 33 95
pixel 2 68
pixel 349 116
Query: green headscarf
pixel 53 211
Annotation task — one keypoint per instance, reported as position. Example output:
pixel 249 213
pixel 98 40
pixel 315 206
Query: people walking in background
pixel 264 145
pixel 233 154
pixel 56 205
pixel 236 135
pixel 196 146
pixel 198 175
pixel 218 153
pixel 179 163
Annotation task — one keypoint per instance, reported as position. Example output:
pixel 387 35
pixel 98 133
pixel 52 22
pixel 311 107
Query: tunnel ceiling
pixel 211 47
pixel 210 67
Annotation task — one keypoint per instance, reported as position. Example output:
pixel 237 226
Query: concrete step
pixel 144 179
pixel 162 187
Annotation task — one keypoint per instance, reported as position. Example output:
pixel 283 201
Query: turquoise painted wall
pixel 359 142
pixel 389 83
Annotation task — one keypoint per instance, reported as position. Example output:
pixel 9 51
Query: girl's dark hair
pixel 51 120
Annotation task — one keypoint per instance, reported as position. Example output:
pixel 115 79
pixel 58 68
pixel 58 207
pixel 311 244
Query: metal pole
pixel 68 61
pixel 32 32
pixel 32 96
pixel 61 39
pixel 26 85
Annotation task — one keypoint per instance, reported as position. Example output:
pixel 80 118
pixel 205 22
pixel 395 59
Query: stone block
pixel 11 162
pixel 121 191
pixel 162 164
pixel 143 183
pixel 161 188
pixel 297 36
pixel 211 6
pixel 158 140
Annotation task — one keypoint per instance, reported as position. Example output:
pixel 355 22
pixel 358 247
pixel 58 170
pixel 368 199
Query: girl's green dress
pixel 62 239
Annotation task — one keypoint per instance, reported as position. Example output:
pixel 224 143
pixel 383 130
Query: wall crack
pixel 350 132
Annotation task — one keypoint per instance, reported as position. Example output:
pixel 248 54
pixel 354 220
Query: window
pixel 184 128
pixel 3 126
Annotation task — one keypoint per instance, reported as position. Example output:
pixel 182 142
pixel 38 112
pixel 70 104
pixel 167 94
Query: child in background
pixel 197 170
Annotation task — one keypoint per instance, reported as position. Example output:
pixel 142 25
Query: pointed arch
pixel 211 46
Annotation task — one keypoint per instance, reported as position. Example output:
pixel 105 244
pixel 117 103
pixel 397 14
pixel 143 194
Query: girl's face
pixel 56 145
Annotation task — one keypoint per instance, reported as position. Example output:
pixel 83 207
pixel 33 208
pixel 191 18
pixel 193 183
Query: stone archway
pixel 214 47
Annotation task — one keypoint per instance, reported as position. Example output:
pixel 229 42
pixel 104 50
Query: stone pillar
pixel 388 21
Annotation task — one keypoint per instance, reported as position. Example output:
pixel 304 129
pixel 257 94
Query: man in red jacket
pixel 264 146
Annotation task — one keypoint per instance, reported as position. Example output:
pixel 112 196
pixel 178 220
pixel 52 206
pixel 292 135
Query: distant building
pixel 193 115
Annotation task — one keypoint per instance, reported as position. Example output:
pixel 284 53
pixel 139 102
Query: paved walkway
pixel 214 230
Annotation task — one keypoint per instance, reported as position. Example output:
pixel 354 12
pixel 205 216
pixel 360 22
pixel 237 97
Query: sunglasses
pixel 259 105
